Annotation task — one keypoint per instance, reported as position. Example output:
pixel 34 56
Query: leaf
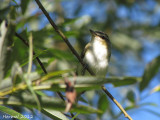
pixel 59 54
pixel 103 103
pixel 3 47
pixel 128 42
pixel 6 48
pixel 155 89
pixel 30 87
pixel 85 109
pixel 71 33
pixel 73 118
pixel 16 74
pixel 116 81
pixel 85 82
pixel 6 84
pixel 54 82
pixel 69 21
pixel 52 103
pixel 13 113
pixel 28 80
pixel 56 115
pixel 53 74
pixel 4 12
pixel 24 5
pixel 131 96
pixel 150 71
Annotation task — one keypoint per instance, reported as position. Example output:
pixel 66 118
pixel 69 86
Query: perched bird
pixel 97 52
pixel 70 94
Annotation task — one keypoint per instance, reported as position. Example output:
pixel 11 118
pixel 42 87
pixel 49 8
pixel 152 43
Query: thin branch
pixel 116 102
pixel 78 57
pixel 63 36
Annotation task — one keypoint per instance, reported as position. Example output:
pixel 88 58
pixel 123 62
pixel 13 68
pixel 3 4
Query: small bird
pixel 97 53
pixel 70 94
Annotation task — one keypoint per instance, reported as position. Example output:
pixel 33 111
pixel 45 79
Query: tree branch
pixel 78 57
pixel 116 102
pixel 63 36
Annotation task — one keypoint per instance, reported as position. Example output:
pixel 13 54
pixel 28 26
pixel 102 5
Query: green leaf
pixel 103 103
pixel 55 115
pixel 6 48
pixel 116 81
pixel 75 116
pixel 28 80
pixel 129 43
pixel 30 87
pixel 86 82
pixel 16 74
pixel 69 21
pixel 13 113
pixel 24 5
pixel 59 54
pixel 7 83
pixel 70 33
pixel 150 71
pixel 4 12
pixel 131 96
pixel 27 100
pixel 85 109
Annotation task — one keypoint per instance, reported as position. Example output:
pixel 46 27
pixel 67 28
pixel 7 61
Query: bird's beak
pixel 92 32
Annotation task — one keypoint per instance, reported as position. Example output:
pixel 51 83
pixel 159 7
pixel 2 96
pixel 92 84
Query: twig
pixel 116 102
pixel 78 57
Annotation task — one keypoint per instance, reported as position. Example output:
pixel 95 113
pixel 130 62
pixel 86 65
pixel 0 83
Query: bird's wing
pixel 88 46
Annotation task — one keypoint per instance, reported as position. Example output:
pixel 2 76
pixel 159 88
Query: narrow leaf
pixel 27 100
pixel 103 103
pixel 24 5
pixel 117 81
pixel 150 71
pixel 155 89
pixel 28 81
pixel 56 115
pixel 6 48
pixel 131 96
pixel 13 113
pixel 3 48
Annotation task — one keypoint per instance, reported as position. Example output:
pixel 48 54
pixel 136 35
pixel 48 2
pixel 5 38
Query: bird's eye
pixel 103 37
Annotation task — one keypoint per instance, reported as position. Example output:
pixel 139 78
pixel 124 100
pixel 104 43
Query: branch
pixel 116 102
pixel 63 36
pixel 78 57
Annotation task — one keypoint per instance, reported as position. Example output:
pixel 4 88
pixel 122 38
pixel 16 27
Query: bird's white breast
pixel 96 57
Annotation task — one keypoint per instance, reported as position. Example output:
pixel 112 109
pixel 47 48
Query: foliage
pixel 37 90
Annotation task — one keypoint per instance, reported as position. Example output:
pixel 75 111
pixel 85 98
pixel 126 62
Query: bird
pixel 97 53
